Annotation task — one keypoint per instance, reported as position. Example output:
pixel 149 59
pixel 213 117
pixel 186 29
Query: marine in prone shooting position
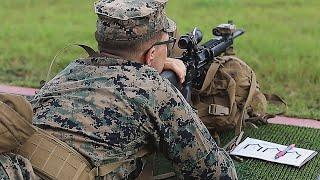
pixel 112 106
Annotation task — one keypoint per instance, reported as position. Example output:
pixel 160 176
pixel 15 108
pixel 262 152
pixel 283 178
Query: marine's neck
pixel 135 59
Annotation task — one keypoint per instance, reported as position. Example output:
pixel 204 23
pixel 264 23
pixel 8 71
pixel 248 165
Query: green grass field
pixel 281 41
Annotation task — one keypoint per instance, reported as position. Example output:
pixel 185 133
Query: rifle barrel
pixel 238 33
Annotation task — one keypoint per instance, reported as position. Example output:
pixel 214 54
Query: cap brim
pixel 170 26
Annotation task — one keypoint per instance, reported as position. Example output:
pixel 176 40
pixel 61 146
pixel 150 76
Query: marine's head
pixel 134 29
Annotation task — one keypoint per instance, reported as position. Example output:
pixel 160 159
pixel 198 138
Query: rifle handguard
pixel 172 77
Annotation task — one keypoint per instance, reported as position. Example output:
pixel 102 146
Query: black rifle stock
pixel 197 56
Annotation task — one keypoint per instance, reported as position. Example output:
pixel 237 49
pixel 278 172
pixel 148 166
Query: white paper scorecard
pixel 264 150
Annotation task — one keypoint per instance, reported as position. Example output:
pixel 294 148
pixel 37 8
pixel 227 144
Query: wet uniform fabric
pixel 109 108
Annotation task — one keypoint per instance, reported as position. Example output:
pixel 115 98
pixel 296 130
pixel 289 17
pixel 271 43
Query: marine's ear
pixel 149 56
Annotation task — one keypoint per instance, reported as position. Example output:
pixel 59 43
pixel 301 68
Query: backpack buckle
pixel 218 110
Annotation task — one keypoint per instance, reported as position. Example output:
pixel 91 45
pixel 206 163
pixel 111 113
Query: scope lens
pixel 184 42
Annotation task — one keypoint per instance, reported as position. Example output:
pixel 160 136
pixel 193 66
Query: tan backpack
pixel 230 96
pixel 15 121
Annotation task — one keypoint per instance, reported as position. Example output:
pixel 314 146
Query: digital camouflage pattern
pixel 15 167
pixel 131 19
pixel 109 108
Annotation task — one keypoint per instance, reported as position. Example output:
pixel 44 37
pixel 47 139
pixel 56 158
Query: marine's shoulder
pixel 108 71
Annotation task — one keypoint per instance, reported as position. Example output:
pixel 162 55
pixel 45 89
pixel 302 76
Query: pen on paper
pixel 282 153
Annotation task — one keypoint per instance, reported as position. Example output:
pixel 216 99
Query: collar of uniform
pixel 108 61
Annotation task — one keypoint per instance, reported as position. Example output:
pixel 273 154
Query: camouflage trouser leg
pixel 227 168
pixel 16 167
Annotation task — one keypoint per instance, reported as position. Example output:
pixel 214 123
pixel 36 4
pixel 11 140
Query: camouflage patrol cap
pixel 125 20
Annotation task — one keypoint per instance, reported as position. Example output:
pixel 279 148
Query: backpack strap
pixel 213 109
pixel 231 88
pixel 210 75
pixel 253 86
pixel 107 168
pixel 164 176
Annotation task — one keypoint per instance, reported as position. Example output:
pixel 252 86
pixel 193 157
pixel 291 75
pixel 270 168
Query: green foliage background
pixel 281 41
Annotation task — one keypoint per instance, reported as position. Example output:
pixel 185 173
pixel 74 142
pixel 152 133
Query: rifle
pixel 196 56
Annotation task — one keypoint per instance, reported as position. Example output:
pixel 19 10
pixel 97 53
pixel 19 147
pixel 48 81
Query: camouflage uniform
pixel 108 108
pixel 15 167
